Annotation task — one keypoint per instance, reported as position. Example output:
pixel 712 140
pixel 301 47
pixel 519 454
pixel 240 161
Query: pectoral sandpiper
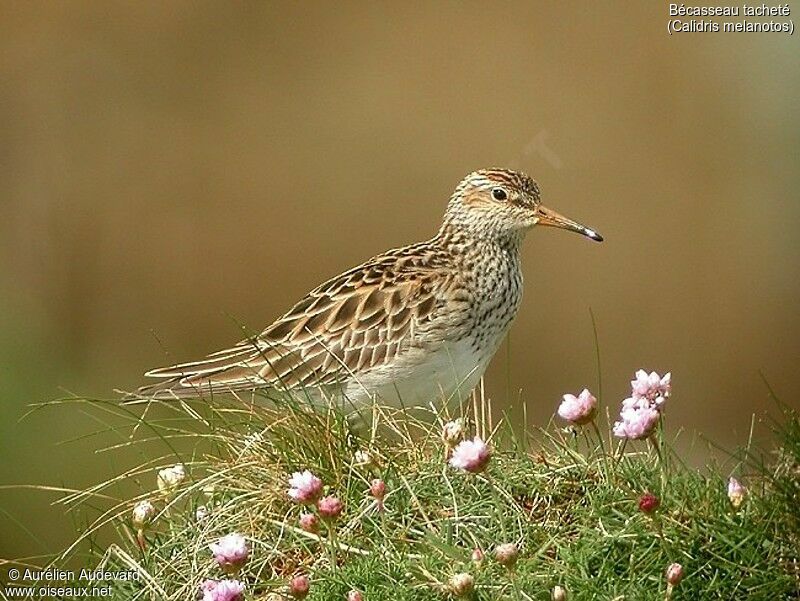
pixel 420 322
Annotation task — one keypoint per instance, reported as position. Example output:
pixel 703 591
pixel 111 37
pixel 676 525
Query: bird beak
pixel 549 217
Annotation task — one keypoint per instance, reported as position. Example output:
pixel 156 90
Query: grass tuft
pixel 567 497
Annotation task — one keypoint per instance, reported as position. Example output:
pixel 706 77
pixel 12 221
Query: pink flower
pixel 636 403
pixel 230 551
pixel 222 590
pixel 355 595
pixel 309 522
pixel 298 587
pixel 641 411
pixel 736 492
pixel 578 409
pixel 651 386
pixel 471 455
pixel 305 487
pixel 330 507
pixel 637 423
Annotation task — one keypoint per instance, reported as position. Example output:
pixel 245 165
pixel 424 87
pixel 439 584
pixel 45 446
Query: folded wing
pixel 353 323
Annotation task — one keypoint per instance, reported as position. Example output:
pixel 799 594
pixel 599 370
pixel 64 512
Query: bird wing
pixel 357 321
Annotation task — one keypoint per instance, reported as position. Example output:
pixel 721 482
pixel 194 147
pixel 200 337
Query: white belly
pixel 447 375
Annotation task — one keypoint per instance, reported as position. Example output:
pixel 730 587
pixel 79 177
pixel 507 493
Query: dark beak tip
pixel 593 235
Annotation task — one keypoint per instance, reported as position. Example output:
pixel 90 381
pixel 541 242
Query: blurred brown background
pixel 174 167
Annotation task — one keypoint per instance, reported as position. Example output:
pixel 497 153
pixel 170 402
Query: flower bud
pixel 736 492
pixel 201 514
pixel 452 432
pixel 355 595
pixel 674 574
pixel 377 489
pixel 507 554
pixel 329 507
pixel 298 587
pixel 170 478
pixel 461 585
pixel 363 458
pixel 477 555
pixel 143 514
pixel 559 593
pixel 648 503
pixel 309 522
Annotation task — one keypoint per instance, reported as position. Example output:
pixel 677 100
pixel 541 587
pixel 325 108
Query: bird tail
pixel 166 390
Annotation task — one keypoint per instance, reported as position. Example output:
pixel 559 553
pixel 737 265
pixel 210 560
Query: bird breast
pixel 497 290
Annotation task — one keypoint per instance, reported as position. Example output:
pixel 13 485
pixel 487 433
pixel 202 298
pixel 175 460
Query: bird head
pixel 504 204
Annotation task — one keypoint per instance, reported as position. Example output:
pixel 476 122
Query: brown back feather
pixel 355 322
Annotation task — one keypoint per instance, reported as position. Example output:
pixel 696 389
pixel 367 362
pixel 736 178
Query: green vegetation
pixel 568 497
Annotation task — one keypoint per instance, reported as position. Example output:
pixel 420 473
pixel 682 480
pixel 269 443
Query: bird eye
pixel 499 194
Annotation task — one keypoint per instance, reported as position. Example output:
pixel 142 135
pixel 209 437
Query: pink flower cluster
pixel 230 551
pixel 578 410
pixel 330 507
pixel 222 590
pixel 471 455
pixel 642 410
pixel 304 487
pixel 652 387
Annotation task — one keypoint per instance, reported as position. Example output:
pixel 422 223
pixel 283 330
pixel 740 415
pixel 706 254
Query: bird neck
pixel 469 238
